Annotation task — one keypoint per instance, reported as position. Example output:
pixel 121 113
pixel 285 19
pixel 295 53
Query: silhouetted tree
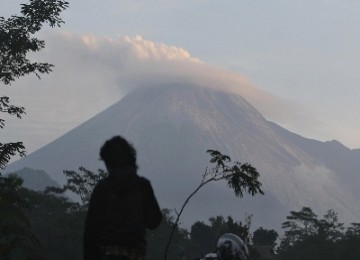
pixel 329 228
pixel 308 237
pixel 349 245
pixel 58 225
pixel 240 177
pixel 265 237
pixel 16 41
pixel 16 236
pixel 299 225
pixel 8 150
pixel 17 38
pixel 203 238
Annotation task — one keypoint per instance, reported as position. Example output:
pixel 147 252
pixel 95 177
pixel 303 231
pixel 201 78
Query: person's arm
pixel 92 225
pixel 152 211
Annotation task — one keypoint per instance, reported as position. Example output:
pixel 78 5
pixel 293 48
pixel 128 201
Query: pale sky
pixel 301 58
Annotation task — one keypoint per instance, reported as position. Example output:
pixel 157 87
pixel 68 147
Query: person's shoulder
pixel 143 180
pixel 102 184
pixel 145 184
pixel 103 181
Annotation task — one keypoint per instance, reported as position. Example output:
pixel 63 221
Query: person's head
pixel 231 247
pixel 118 153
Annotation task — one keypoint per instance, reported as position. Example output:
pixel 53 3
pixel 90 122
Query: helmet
pixel 231 247
pixel 211 256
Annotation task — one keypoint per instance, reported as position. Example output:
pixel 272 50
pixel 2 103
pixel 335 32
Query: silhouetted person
pixel 121 207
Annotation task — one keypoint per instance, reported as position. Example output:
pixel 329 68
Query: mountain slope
pixel 172 127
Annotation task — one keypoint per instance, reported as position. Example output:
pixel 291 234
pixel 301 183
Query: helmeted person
pixel 229 247
pixel 121 207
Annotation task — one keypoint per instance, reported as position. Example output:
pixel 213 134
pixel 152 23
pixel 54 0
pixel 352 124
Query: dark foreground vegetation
pixel 46 225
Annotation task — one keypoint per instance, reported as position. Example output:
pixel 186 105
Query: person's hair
pixel 117 152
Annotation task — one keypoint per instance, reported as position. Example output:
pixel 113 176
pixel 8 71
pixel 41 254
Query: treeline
pixel 307 236
pixel 47 225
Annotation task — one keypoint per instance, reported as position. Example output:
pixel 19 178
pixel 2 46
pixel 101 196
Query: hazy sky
pixel 298 62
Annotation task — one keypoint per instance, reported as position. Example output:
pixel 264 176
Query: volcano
pixel 173 126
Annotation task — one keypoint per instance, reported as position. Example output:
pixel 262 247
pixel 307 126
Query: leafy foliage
pixel 329 228
pixel 16 41
pixel 349 244
pixel 308 237
pixel 240 177
pixel 57 224
pixel 265 237
pixel 15 233
pixel 5 107
pixel 16 38
pixel 35 225
pixel 8 150
pixel 299 225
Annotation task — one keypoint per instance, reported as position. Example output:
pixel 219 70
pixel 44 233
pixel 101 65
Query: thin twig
pixel 203 182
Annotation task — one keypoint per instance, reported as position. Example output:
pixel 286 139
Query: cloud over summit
pixel 91 73
pixel 144 49
pixel 133 47
pixel 135 62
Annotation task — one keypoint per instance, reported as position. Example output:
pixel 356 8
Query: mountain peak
pixel 173 126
